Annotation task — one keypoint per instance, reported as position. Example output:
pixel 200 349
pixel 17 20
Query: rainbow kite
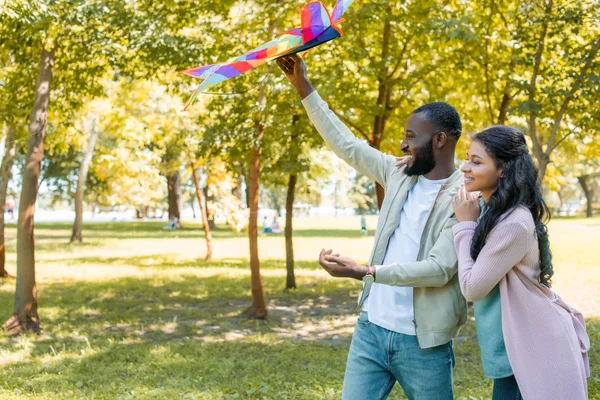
pixel 318 27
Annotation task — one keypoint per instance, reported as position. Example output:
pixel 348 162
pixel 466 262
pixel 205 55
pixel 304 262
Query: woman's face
pixel 481 174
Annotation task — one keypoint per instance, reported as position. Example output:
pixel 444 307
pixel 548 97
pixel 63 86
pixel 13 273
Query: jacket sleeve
pixel 505 246
pixel 362 157
pixel 436 270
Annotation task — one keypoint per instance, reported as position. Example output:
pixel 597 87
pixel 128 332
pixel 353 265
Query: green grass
pixel 135 313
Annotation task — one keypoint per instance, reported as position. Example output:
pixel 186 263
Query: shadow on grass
pixel 171 336
pixel 164 309
pixel 183 334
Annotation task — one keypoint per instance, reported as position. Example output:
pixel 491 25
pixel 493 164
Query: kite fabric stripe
pixel 317 28
pixel 340 8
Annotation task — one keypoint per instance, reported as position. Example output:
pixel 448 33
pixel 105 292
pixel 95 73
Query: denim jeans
pixel 379 357
pixel 506 389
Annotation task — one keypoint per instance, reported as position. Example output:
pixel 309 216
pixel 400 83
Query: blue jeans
pixel 379 357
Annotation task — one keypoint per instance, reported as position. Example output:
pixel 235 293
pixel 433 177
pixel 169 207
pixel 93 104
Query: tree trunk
pixel 506 93
pixel 237 190
pixel 207 234
pixel 379 191
pixel 211 218
pixel 538 151
pixel 192 206
pixel 383 100
pixel 25 317
pixel 258 309
pixel 7 163
pixel 289 244
pixel 543 161
pixel 76 235
pixel 174 196
pixel 246 180
pixel 560 199
pixel 589 195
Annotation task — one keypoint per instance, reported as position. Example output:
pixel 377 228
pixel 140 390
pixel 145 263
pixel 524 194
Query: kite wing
pixel 318 27
pixel 340 8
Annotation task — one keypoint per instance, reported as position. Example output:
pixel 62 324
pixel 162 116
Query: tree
pixel 259 307
pixel 586 186
pixel 17 70
pixel 76 235
pixel 25 317
pixel 53 31
pixel 174 196
pixel 553 98
pixel 5 174
pixel 242 125
pixel 289 169
pixel 540 62
pixel 201 205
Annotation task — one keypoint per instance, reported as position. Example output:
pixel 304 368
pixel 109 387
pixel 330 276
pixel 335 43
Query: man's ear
pixel 440 140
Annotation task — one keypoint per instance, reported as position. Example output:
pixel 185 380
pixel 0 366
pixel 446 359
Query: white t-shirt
pixel 391 307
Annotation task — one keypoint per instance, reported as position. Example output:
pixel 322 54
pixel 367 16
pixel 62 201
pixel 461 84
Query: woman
pixel 532 344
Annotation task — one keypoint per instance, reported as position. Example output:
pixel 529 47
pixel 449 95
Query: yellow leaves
pixel 51 36
pixel 553 178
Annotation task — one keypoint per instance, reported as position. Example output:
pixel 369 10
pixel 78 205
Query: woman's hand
pixel 466 206
pixel 400 161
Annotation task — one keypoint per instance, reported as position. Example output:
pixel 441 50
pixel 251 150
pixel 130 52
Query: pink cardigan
pixel 545 339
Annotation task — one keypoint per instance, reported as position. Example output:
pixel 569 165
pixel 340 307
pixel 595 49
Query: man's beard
pixel 423 161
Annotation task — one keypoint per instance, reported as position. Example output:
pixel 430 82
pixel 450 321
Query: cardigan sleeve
pixel 506 245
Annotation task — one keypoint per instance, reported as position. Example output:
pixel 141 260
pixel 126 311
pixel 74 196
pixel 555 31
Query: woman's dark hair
pixel 518 186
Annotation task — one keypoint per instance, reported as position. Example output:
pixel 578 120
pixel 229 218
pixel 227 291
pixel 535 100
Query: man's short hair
pixel 442 115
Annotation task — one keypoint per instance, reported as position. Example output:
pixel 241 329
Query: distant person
pixel 266 227
pixel 10 207
pixel 173 224
pixel 275 227
pixel 363 225
pixel 533 345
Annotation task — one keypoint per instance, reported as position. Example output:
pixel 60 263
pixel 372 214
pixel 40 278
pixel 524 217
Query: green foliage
pixel 392 58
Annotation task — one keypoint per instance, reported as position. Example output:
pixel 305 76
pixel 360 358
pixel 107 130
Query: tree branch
pixel 400 57
pixel 574 88
pixel 501 14
pixel 562 139
pixel 532 85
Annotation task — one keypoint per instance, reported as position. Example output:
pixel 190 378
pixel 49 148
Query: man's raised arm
pixel 362 157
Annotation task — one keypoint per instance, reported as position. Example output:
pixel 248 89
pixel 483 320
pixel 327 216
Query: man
pixel 411 302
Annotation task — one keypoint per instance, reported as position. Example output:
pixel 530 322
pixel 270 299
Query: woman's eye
pixel 476 162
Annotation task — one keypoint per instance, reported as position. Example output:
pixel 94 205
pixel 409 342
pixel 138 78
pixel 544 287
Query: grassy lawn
pixel 134 313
